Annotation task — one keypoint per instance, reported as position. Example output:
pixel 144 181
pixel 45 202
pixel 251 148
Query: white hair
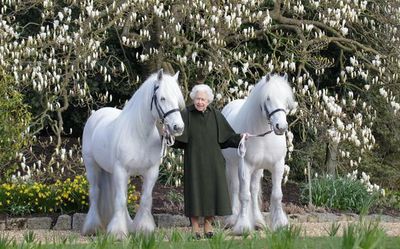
pixel 202 88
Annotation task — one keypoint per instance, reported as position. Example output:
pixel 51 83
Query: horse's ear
pixel 267 77
pixel 160 74
pixel 176 76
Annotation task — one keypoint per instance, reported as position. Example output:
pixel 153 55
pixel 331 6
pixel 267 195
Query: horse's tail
pixel 106 196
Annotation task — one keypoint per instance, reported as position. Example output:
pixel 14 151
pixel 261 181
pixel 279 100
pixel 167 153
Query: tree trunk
pixel 331 159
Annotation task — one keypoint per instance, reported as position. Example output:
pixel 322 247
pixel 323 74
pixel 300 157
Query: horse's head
pixel 277 102
pixel 167 101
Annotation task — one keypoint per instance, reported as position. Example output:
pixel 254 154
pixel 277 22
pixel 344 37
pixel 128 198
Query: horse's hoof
pixel 91 231
pixel 230 221
pixel 240 229
pixel 279 222
pixel 260 225
pixel 87 232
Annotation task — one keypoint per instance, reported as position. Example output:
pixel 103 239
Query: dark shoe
pixel 209 235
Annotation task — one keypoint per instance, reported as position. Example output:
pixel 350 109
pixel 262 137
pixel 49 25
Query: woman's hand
pixel 245 135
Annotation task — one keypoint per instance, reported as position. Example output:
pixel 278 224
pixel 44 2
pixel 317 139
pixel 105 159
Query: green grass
pixel 309 243
pixel 361 235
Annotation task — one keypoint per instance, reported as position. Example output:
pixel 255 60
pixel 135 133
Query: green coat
pixel 205 186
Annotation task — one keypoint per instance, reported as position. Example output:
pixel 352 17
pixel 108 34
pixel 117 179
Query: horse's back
pixel 97 122
pixel 231 110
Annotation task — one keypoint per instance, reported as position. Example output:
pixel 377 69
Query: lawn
pixel 355 236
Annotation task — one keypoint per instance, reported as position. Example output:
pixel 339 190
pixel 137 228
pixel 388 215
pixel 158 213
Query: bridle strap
pixel 161 114
pixel 170 111
pixel 263 134
pixel 167 139
pixel 269 115
pixel 275 111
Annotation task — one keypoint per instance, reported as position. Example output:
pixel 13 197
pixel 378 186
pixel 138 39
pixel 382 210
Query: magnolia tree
pixel 342 58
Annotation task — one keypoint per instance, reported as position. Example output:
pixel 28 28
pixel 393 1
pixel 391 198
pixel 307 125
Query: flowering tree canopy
pixel 342 58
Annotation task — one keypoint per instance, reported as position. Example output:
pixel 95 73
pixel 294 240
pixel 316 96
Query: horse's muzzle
pixel 176 130
pixel 280 130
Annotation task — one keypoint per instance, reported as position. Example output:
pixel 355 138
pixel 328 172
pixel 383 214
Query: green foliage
pixel 29 237
pixel 283 238
pixel 392 199
pixel 176 236
pixel 360 236
pixel 341 193
pixel 218 241
pixel 5 242
pixel 171 170
pixel 333 230
pixel 14 121
pixel 383 166
pixel 69 196
pixel 103 241
pixel 145 241
pixel 363 235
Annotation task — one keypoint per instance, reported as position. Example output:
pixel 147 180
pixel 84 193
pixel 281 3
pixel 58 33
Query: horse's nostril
pixel 277 126
pixel 177 128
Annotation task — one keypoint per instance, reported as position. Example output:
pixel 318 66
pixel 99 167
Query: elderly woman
pixel 206 133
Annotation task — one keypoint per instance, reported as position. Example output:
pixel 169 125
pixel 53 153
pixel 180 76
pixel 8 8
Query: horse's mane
pixel 134 111
pixel 277 86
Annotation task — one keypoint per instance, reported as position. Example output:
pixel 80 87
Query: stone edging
pixel 74 222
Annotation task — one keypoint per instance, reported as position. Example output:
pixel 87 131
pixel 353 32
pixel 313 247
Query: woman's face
pixel 201 101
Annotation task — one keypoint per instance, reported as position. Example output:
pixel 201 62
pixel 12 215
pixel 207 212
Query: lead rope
pixel 241 150
pixel 167 141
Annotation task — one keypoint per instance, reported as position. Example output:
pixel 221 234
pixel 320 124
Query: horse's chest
pixel 138 156
pixel 264 153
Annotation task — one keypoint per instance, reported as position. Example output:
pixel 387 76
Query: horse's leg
pixel 233 184
pixel 118 225
pixel 144 221
pixel 243 222
pixel 278 216
pixel 92 220
pixel 255 189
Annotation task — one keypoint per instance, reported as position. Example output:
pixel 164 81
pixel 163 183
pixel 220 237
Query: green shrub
pixel 392 199
pixel 14 121
pixel 171 170
pixel 69 196
pixel 343 193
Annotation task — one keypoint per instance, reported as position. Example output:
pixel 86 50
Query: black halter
pixel 269 115
pixel 161 114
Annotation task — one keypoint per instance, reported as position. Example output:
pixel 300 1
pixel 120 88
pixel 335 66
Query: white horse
pixel 119 143
pixel 262 114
